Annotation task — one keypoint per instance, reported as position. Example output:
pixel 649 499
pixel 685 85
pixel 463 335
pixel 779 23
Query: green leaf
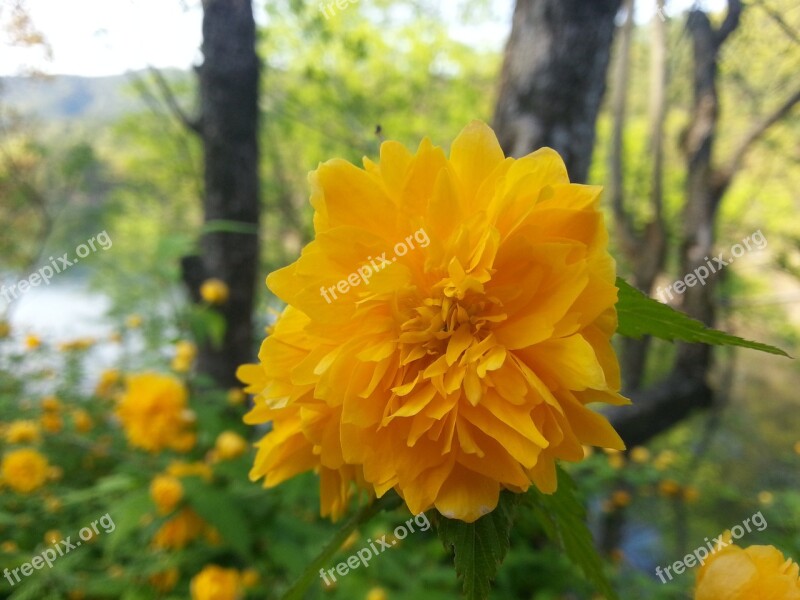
pixel 640 315
pixel 479 547
pixel 221 510
pixel 563 518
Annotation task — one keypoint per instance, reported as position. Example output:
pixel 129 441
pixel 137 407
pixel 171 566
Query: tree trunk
pixel 228 125
pixel 553 78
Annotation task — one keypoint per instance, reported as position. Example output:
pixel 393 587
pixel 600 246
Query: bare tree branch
pixel 775 16
pixel 730 23
pixel 171 102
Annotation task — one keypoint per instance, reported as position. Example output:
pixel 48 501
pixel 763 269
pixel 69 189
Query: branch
pixel 775 16
pixel 758 130
pixel 171 102
pixel 730 23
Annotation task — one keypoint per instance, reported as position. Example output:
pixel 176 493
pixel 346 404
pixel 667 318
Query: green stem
pixel 311 572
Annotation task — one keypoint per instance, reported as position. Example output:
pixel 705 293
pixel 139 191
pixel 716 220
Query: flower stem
pixel 311 572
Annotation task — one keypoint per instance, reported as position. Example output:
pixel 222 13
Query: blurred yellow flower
pixel 54 473
pixel 230 445
pixel 24 470
pixel 9 546
pixel 250 578
pixel 179 468
pixel 639 454
pixel 377 593
pixel 5 329
pixel 166 491
pixel 52 536
pixel 51 422
pixel 669 488
pixel 216 583
pixel 22 432
pixel 51 403
pixel 691 494
pixel 185 353
pixel 621 498
pixel 152 411
pixel 616 460
pixel 82 419
pixel 52 504
pixel 76 345
pixel 664 460
pixel 109 378
pixel 165 580
pixel 179 530
pixel 214 291
pixel 236 396
pixel 466 365
pixel 766 498
pixel 797 447
pixel 133 321
pixel 32 342
pixel 756 572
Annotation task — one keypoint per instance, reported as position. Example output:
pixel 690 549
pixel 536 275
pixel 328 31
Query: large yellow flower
pixel 753 573
pixel 216 583
pixel 24 470
pixel 154 412
pixel 445 331
pixel 22 432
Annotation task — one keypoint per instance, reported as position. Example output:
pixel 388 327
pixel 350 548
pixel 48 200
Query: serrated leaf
pixel 480 547
pixel 563 518
pixel 640 315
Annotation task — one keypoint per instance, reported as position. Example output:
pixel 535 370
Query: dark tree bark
pixel 553 78
pixel 228 126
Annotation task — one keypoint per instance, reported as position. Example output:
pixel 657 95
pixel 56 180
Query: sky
pixel 108 37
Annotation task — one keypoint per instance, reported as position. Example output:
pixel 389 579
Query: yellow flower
pixel 166 491
pixel 691 494
pixel 5 329
pixel 24 470
pixel 82 419
pixel 620 498
pixel 250 578
pixel 51 422
pixel 377 593
pixel 445 330
pixel 216 583
pixel 664 460
pixel 669 488
pixel 640 454
pixel 133 321
pixel 797 447
pixel 178 531
pixel 766 498
pixel 52 536
pixel 76 345
pixel 107 382
pixel 214 291
pixel 236 396
pixel 22 432
pixel 51 403
pixel 165 580
pixel 153 411
pixel 194 469
pixel 9 547
pixel 230 445
pixel 185 353
pixel 32 342
pixel 733 573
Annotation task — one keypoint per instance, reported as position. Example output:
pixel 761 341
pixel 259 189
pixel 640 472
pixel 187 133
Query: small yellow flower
pixel 620 498
pixel 24 470
pixel 165 580
pixel 76 345
pixel 616 460
pixel 250 578
pixel 54 473
pixel 179 531
pixel 51 422
pixel 664 460
pixel 109 379
pixel 797 447
pixel 115 571
pixel 179 468
pixel 216 583
pixel 133 321
pixel 32 341
pixel 166 491
pixel 22 432
pixel 640 454
pixel 185 353
pixel 51 404
pixel 236 396
pixel 152 411
pixel 669 488
pixel 377 593
pixel 76 595
pixel 5 329
pixel 52 504
pixel 115 337
pixel 214 291
pixel 52 536
pixel 766 498
pixel 733 573
pixel 9 546
pixel 185 442
pixel 83 421
pixel 691 494
pixel 230 445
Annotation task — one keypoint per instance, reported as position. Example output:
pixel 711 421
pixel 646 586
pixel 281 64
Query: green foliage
pixel 479 547
pixel 640 315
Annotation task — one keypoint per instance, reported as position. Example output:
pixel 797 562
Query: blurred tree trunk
pixel 553 78
pixel 228 126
